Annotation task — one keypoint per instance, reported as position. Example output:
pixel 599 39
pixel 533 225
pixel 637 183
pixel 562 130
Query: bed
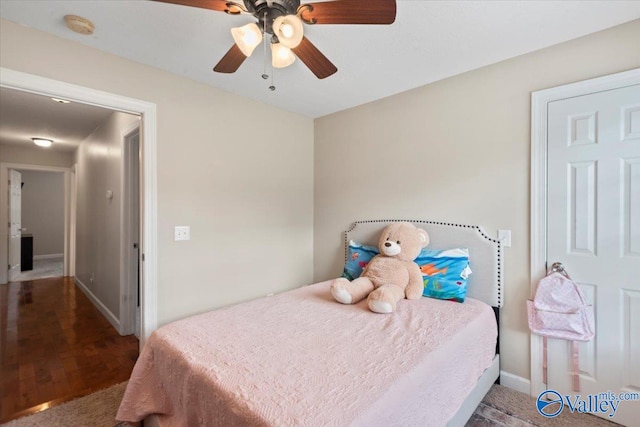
pixel 301 359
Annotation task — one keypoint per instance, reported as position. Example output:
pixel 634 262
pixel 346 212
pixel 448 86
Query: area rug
pixel 95 410
pixel 501 407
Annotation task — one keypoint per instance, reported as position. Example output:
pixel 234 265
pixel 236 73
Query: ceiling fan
pixel 283 20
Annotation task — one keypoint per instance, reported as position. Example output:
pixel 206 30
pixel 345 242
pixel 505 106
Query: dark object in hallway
pixel 26 252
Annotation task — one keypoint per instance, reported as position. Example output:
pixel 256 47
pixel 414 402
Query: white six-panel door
pixel 15 215
pixel 593 226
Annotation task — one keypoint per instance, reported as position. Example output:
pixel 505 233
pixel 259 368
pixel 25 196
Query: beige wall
pixel 250 207
pixel 457 150
pixel 98 226
pixel 43 210
pixel 35 156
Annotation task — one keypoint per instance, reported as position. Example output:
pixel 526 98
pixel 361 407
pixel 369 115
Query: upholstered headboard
pixel 485 253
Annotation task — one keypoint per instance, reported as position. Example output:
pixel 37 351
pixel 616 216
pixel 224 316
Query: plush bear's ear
pixel 424 237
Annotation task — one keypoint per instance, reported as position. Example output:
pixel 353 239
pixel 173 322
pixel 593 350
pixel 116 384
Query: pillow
pixel 358 256
pixel 445 273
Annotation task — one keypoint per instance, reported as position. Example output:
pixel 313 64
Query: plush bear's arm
pixel 415 287
pixel 366 267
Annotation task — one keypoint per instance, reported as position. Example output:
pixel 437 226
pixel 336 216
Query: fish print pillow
pixel 358 256
pixel 445 273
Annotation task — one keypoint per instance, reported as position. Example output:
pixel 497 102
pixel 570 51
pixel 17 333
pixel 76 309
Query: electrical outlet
pixel 505 237
pixel 182 232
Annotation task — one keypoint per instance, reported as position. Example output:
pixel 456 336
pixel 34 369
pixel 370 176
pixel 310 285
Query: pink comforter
pixel 301 359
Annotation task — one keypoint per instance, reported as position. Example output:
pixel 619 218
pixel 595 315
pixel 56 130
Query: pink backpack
pixel 560 310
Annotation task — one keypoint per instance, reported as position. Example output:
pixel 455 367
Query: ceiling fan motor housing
pixel 266 11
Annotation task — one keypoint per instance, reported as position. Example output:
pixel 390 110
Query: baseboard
pixel 49 256
pixel 99 305
pixel 515 382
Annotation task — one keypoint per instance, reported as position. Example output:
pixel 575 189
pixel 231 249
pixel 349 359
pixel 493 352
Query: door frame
pixel 10 223
pixel 148 144
pixel 539 121
pixel 69 245
pixel 128 275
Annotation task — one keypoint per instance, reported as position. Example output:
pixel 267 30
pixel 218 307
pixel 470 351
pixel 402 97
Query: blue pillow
pixel 358 256
pixel 445 273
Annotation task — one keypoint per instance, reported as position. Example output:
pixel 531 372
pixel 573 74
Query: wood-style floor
pixel 55 346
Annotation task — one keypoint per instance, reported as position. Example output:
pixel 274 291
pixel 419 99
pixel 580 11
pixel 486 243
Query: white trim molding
pixel 515 382
pixel 112 318
pixel 539 119
pixel 148 140
pixel 48 256
pixel 128 271
pixel 4 215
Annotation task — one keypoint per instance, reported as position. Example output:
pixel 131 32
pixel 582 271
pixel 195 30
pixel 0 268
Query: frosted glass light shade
pixel 289 30
pixel 281 56
pixel 41 142
pixel 247 37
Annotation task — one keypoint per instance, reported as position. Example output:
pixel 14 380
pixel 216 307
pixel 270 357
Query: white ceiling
pixel 25 115
pixel 430 40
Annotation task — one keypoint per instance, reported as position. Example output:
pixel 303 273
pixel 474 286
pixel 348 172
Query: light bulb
pixel 250 38
pixel 289 30
pixel 286 30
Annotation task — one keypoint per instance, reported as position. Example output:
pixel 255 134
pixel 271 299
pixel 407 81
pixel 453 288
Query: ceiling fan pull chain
pixel 264 39
pixel 272 87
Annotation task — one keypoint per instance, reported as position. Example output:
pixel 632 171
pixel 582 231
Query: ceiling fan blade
pixel 231 61
pixel 349 12
pixel 314 59
pixel 231 7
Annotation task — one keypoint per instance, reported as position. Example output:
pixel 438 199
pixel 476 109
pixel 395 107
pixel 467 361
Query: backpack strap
pixel 575 358
pixel 544 359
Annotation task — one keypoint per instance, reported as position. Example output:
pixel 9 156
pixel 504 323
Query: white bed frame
pixel 485 283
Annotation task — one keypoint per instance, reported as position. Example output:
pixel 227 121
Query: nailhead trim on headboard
pixel 449 224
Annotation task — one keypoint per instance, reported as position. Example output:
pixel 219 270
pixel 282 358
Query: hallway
pixel 55 346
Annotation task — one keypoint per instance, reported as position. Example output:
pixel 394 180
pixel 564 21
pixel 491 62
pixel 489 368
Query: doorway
pixel 130 243
pixel 585 214
pixel 83 368
pixel 6 234
pixel 42 224
pixel 148 245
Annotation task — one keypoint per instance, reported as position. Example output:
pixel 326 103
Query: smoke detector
pixel 79 24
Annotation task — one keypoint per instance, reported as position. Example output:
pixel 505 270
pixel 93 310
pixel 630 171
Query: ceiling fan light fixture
pixel 247 37
pixel 41 142
pixel 281 56
pixel 289 30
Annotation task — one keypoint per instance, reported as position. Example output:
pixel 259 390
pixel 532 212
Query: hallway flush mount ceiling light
pixel 283 20
pixel 41 142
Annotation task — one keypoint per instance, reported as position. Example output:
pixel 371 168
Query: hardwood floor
pixel 55 346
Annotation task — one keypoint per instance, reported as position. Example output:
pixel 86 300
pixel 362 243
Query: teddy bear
pixel 391 275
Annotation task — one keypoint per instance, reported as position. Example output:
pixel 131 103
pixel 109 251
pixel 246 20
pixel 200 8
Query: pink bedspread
pixel 301 359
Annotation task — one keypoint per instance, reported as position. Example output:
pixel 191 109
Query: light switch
pixel 505 237
pixel 182 232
